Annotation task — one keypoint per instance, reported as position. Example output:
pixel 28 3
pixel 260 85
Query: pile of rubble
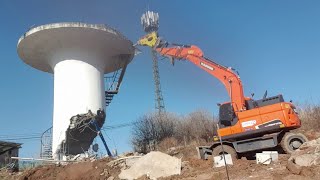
pixel 154 165
pixel 306 156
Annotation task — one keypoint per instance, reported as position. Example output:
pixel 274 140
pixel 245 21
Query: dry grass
pixel 167 143
pixel 310 117
pixel 152 132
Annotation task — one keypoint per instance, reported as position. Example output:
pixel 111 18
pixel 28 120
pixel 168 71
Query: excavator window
pixel 226 115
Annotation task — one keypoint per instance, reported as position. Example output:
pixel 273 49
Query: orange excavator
pixel 246 125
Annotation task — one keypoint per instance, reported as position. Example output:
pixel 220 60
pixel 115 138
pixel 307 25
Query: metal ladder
pixel 113 84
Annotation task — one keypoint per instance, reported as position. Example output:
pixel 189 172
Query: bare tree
pixel 151 129
pixel 197 126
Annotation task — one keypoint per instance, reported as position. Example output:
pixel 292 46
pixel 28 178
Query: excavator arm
pixel 227 76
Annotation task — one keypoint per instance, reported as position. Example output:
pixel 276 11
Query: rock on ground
pixel 308 154
pixel 155 165
pixel 294 168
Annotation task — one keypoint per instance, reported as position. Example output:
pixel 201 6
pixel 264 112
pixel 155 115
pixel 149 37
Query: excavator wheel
pixel 217 151
pixel 290 142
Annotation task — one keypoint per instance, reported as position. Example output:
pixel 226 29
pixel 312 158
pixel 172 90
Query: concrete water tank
pixel 78 54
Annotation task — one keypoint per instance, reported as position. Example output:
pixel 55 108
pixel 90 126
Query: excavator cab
pixel 227 116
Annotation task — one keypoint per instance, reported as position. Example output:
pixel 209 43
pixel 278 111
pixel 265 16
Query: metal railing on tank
pixel 46 144
pixel 112 84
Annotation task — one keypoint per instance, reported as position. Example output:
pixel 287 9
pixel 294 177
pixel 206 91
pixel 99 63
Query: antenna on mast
pixel 150 23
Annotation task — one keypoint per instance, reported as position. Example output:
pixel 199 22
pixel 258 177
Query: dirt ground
pixel 192 168
pixel 244 169
pixel 75 171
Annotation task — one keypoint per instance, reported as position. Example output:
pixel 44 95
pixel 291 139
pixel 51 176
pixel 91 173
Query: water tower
pixel 78 54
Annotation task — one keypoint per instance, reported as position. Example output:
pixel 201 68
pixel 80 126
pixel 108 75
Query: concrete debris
pixel 219 160
pixel 274 155
pixel 76 157
pixel 155 165
pixel 263 158
pixel 81 131
pixel 131 160
pixel 308 154
pixel 124 162
pixel 266 157
pixel 294 168
pixel 312 143
pixel 307 159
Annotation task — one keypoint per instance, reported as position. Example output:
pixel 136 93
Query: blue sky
pixel 275 45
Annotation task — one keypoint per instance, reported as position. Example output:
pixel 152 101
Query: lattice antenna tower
pixel 150 23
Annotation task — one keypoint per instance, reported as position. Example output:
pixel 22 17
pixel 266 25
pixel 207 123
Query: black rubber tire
pixel 227 149
pixel 303 136
pixel 289 138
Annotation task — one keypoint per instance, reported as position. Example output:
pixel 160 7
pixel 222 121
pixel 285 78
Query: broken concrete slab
pixel 155 165
pixel 308 154
pixel 274 155
pixel 307 159
pixel 262 158
pixel 130 161
pixel 312 143
pixel 266 157
pixel 219 160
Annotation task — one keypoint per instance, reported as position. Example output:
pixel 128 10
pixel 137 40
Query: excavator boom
pixel 227 77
